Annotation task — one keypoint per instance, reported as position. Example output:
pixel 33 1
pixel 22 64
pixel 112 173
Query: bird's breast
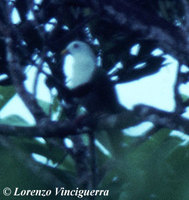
pixel 81 72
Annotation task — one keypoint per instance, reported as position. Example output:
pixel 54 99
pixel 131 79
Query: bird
pixel 93 89
pixel 89 84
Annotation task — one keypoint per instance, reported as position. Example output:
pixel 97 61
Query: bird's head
pixel 79 48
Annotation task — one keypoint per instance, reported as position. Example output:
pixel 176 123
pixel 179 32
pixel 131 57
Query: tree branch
pixel 180 107
pixel 46 129
pixel 150 26
pixel 18 78
pixel 161 118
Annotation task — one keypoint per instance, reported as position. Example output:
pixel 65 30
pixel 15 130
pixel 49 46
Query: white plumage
pixel 80 70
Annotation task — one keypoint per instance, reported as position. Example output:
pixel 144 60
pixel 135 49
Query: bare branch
pixel 150 26
pixel 180 107
pixel 17 78
pixel 44 129
pixel 161 118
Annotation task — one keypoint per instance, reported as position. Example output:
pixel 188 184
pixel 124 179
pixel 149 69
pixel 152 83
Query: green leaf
pixel 184 97
pixel 14 120
pixel 44 105
pixel 6 92
pixel 19 170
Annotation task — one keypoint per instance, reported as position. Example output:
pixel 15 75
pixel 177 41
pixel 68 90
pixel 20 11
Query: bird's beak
pixel 64 52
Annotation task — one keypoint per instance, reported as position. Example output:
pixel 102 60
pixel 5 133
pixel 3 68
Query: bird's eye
pixel 76 45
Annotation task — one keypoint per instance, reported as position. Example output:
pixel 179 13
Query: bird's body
pixel 93 89
pixel 88 83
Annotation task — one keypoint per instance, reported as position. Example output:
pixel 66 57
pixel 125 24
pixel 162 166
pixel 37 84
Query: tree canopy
pixel 151 166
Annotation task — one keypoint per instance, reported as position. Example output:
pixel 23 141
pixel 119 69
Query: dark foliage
pixel 153 166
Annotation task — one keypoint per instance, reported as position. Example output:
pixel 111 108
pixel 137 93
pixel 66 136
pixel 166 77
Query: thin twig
pixel 92 159
pixel 178 100
pixel 144 138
